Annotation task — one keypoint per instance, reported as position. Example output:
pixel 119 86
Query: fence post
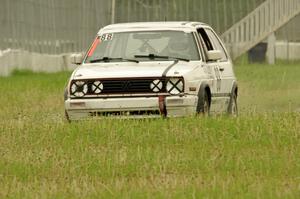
pixel 271 48
pixel 113 9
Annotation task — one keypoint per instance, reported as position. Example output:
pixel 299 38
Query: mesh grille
pixel 124 86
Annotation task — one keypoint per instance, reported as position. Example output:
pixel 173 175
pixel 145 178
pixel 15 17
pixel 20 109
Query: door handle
pixel 221 69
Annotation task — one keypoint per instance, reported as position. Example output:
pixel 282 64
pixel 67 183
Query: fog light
pixel 156 85
pixel 175 86
pixel 79 88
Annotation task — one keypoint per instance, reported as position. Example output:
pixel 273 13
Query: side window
pixel 205 39
pixel 216 43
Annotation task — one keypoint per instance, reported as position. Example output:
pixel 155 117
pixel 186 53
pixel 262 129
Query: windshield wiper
pixel 108 59
pixel 153 56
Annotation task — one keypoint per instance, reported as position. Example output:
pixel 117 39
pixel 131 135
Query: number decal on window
pixel 106 37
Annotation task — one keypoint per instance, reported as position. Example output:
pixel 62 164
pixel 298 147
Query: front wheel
pixel 67 116
pixel 203 105
pixel 232 107
pixel 65 98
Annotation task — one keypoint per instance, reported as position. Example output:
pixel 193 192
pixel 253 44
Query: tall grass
pixel 269 88
pixel 253 156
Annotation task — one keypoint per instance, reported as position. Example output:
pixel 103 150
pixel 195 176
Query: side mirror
pixel 214 55
pixel 76 58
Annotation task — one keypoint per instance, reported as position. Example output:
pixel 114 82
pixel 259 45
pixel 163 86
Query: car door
pixel 220 92
pixel 211 66
pixel 225 70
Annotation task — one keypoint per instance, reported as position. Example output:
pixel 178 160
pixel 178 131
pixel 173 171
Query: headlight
pixel 97 87
pixel 156 85
pixel 79 88
pixel 175 86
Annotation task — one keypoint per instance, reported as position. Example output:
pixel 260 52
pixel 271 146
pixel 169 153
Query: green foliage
pixel 253 156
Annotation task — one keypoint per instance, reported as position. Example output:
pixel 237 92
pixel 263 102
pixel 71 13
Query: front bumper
pixel 131 106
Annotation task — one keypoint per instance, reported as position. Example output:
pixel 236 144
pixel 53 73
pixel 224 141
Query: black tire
pixel 67 116
pixel 203 106
pixel 232 106
pixel 65 98
pixel 65 94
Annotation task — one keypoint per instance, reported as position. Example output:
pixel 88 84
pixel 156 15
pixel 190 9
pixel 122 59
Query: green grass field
pixel 256 155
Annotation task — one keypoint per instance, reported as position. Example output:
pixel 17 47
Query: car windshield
pixel 143 46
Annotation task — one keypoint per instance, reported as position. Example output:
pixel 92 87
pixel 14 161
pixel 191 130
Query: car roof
pixel 151 26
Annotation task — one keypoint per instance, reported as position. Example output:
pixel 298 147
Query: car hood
pixel 128 69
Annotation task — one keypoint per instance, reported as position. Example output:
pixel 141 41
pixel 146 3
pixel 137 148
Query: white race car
pixel 152 69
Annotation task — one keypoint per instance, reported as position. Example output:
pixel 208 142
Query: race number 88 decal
pixel 106 37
